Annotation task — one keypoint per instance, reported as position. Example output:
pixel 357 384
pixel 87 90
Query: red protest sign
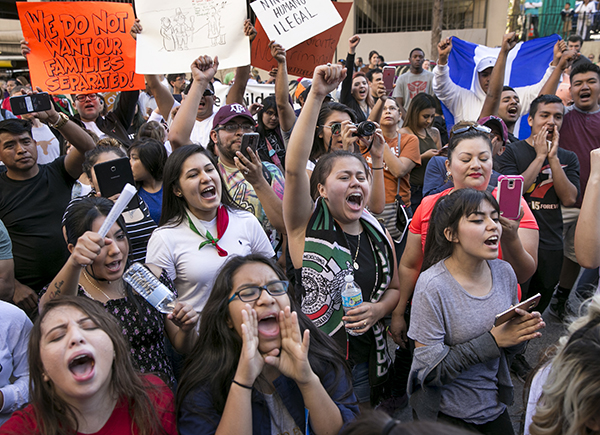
pixel 80 47
pixel 303 58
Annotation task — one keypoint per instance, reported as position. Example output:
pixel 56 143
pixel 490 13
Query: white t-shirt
pixel 201 132
pixel 48 147
pixel 91 125
pixel 194 270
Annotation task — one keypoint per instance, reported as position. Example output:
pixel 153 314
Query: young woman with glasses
pixel 260 365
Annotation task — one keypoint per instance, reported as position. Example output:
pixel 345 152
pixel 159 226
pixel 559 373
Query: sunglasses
pixel 336 128
pixel 476 127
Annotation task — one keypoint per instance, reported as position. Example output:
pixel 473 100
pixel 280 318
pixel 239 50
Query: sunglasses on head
pixel 476 127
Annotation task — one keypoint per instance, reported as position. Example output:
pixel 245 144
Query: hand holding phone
pixel 249 140
pixel 527 305
pixel 389 74
pixel 23 104
pixel 510 190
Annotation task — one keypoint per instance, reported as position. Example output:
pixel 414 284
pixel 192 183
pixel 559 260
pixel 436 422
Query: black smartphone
pixel 22 104
pixel 249 140
pixel 112 177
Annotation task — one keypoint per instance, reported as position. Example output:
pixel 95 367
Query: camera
pixel 365 128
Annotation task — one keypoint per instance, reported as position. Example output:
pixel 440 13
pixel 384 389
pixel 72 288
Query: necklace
pixel 85 274
pixel 355 263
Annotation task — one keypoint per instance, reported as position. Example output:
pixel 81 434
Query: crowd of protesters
pixel 349 182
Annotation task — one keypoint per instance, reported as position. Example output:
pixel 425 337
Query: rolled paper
pixel 117 209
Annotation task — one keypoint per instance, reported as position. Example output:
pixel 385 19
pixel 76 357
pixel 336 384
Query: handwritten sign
pixel 305 57
pixel 178 31
pixel 80 47
pixel 290 22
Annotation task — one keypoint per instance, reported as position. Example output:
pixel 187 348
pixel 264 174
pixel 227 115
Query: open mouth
pixel 268 326
pixel 209 192
pixel 550 133
pixel 512 111
pixel 585 95
pixel 492 241
pixel 82 366
pixel 115 266
pixel 354 200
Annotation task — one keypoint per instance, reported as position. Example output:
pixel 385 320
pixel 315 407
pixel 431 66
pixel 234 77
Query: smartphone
pixel 112 177
pixel 510 190
pixel 22 104
pixel 389 74
pixel 249 140
pixel 527 305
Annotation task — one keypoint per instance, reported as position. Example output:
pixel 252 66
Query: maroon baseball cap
pixel 496 124
pixel 230 111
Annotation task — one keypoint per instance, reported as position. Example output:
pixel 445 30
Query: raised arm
pixel 346 92
pixel 492 99
pixel 566 60
pixel 297 202
pixel 287 117
pixel 242 73
pixel 203 71
pixel 83 254
pixel 587 232
pixel 72 132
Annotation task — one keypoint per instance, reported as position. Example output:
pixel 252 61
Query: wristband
pixel 62 120
pixel 241 385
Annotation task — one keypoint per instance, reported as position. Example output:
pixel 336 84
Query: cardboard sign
pixel 304 58
pixel 290 22
pixel 80 47
pixel 177 32
pixel 255 93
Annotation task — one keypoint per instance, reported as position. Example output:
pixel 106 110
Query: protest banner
pixel 80 47
pixel 305 57
pixel 290 22
pixel 177 32
pixel 255 93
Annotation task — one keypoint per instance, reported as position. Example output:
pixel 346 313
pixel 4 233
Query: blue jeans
pixel 360 382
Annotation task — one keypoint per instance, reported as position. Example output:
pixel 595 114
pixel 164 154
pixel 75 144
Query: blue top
pixel 153 201
pixel 191 422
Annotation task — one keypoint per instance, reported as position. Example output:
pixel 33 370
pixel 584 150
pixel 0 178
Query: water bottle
pixel 150 288
pixel 351 297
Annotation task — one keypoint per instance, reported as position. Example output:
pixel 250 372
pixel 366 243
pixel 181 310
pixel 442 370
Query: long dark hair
pixel 212 363
pixel 319 146
pixel 419 103
pixel 53 415
pixel 447 213
pixel 152 154
pixel 173 206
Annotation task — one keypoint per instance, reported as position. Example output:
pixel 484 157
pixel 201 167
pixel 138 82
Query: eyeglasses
pixel 208 92
pixel 82 98
pixel 477 127
pixel 253 292
pixel 336 128
pixel 232 128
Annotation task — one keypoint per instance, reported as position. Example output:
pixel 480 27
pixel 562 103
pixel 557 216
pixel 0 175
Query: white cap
pixel 349 278
pixel 485 63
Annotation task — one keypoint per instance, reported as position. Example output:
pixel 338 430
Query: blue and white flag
pixel 526 65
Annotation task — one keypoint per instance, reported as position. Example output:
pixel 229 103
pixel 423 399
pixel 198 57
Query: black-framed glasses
pixel 82 98
pixel 477 127
pixel 232 128
pixel 253 292
pixel 336 128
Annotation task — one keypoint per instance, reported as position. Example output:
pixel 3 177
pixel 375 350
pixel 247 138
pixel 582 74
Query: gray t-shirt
pixel 281 420
pixel 444 312
pixel 5 244
pixel 408 85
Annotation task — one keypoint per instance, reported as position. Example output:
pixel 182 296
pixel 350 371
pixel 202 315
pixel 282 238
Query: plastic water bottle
pixel 351 297
pixel 150 288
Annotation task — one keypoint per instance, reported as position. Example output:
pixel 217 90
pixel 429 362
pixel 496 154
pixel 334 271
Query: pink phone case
pixel 510 190
pixel 389 73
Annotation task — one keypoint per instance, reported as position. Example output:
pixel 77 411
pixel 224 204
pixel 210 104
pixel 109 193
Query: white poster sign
pixel 255 93
pixel 178 31
pixel 290 22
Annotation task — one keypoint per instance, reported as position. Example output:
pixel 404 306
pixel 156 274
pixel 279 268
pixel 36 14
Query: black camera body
pixel 365 128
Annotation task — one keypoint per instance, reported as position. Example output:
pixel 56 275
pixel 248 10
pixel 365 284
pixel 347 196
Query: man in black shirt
pixel 33 199
pixel 551 178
